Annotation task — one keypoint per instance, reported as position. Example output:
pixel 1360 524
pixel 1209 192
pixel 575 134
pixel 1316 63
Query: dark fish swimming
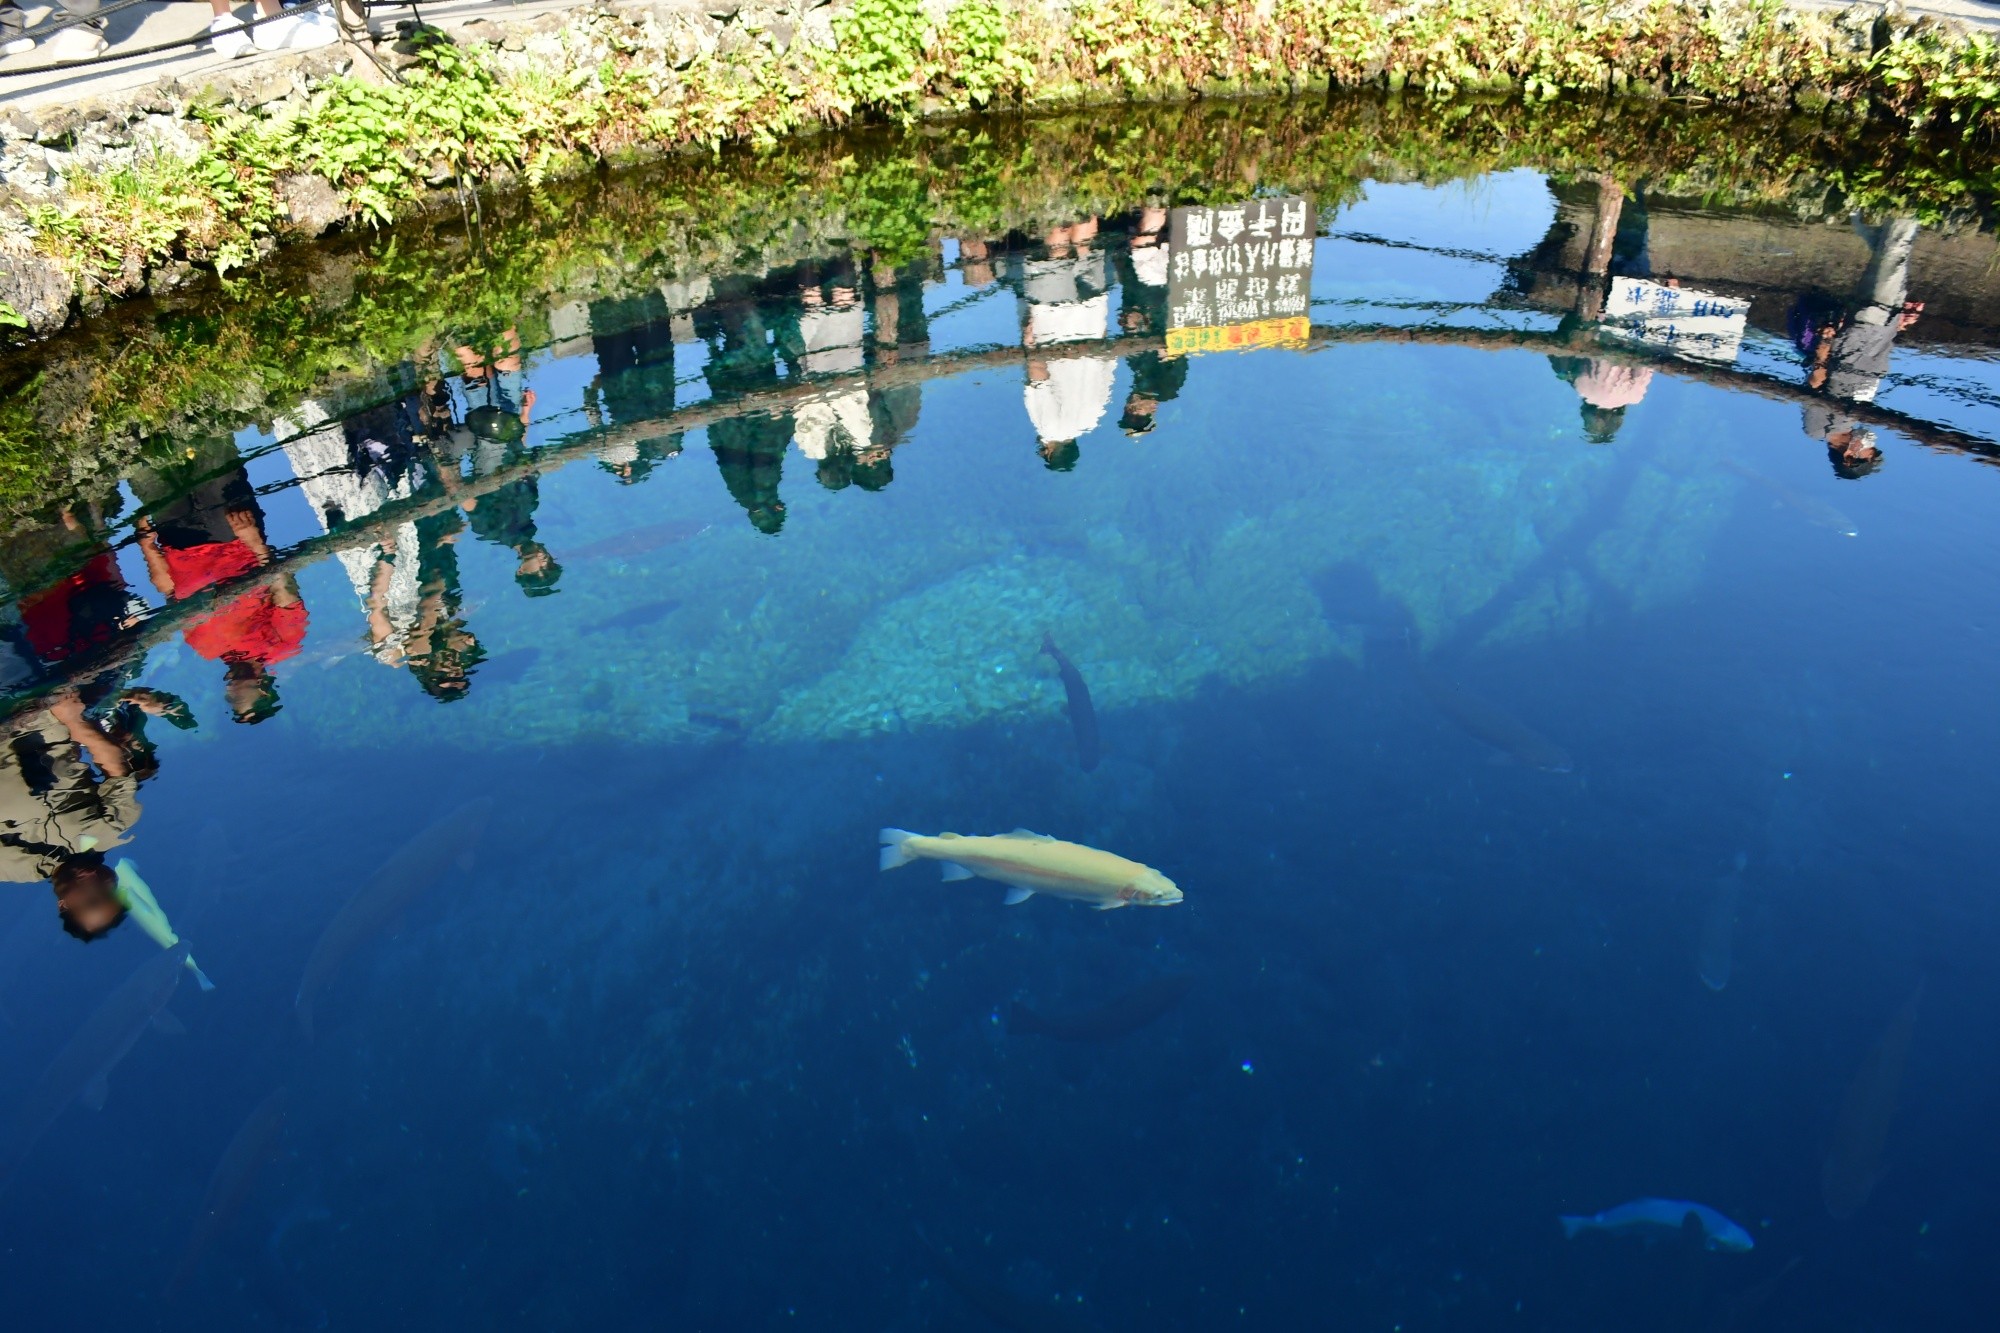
pixel 1142 1005
pixel 1812 508
pixel 235 1174
pixel 1487 722
pixel 508 667
pixel 634 617
pixel 638 541
pixel 80 1069
pixel 1082 714
pixel 421 862
pixel 1854 1165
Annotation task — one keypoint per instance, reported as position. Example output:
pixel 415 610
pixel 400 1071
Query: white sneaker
pixel 19 46
pixel 298 32
pixel 226 35
pixel 78 43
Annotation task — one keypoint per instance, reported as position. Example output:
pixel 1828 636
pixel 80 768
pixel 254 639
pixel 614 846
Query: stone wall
pixel 40 149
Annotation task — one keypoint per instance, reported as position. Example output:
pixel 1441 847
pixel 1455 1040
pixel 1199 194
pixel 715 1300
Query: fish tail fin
pixel 1572 1225
pixel 894 853
pixel 200 977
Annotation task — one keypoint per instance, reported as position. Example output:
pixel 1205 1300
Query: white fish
pixel 1655 1218
pixel 1031 863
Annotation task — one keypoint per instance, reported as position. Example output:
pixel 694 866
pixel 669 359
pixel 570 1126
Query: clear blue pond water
pixel 1573 736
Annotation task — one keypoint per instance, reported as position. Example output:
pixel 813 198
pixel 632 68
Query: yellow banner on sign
pixel 1291 331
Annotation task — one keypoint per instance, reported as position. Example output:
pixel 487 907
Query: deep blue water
pixel 654 1044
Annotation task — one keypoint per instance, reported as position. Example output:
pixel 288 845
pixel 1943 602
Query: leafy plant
pixel 879 55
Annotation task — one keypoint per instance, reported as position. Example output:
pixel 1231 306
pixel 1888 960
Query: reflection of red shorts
pixel 76 613
pixel 253 628
pixel 250 628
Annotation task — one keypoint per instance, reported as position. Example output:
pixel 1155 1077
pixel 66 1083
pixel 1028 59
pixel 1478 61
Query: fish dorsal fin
pixel 949 835
pixel 1028 835
pixel 94 1093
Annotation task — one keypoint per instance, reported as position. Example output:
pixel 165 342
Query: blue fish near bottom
pixel 1655 1218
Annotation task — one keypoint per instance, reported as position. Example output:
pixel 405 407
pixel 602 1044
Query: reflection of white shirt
pixel 1060 281
pixel 332 486
pixel 1149 264
pixel 1072 321
pixel 1071 401
pixel 832 335
pixel 832 421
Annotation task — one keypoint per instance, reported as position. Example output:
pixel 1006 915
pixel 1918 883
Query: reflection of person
pixel 1847 353
pixel 1604 389
pixel 349 470
pixel 749 446
pixel 505 514
pixel 499 403
pixel 85 608
pixel 1142 293
pixel 58 815
pixel 634 344
pixel 212 531
pixel 1063 298
pixel 439 646
pixel 902 330
pixel 1618 248
pixel 833 426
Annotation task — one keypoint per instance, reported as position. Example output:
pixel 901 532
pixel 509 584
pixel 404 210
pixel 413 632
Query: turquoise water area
pixel 1555 675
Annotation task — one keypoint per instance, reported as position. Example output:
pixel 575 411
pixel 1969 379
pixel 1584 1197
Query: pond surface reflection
pixel 1539 622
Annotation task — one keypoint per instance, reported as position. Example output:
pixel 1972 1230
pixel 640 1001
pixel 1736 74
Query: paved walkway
pixel 169 20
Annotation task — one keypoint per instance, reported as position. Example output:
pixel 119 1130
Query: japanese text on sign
pixel 1680 320
pixel 1239 264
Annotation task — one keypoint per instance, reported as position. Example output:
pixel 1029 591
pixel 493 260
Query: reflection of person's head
pixel 443 676
pixel 87 897
pixel 251 691
pixel 538 571
pixel 1140 410
pixel 1060 455
pixel 1600 424
pixel 767 518
pixel 836 470
pixel 872 470
pixel 1853 453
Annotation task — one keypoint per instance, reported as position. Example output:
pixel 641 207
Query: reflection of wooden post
pixel 1597 258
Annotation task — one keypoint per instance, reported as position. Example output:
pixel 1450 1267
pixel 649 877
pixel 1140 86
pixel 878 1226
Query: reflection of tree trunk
pixel 1597 258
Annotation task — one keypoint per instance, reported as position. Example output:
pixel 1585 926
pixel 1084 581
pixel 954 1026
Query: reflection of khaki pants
pixel 835 421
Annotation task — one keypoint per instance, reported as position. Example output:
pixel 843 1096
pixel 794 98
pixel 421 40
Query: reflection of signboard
pixel 1287 332
pixel 1241 275
pixel 1685 322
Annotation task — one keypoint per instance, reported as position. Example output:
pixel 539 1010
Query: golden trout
pixel 1031 863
